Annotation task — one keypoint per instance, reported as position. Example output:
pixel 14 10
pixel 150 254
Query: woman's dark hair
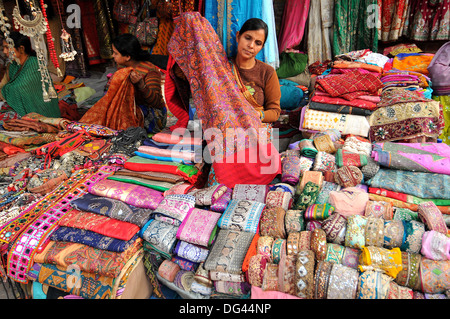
pixel 21 40
pixel 254 24
pixel 128 45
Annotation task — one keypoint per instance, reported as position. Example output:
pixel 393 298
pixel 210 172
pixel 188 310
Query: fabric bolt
pixel 357 144
pixel 190 252
pixel 324 162
pixel 286 274
pixel 335 228
pixel 270 279
pixel 291 169
pixel 393 233
pixel 313 224
pixel 319 243
pixel 342 282
pixel 257 266
pixel 374 232
pixel 202 276
pixel 112 208
pixel 183 279
pixel 307 197
pixel 318 211
pixel 370 170
pixel 399 292
pixel 304 278
pixel 306 163
pixel 279 199
pixel 279 249
pixel 321 279
pixel 232 288
pixel 156 185
pixel 155 176
pixel 412 238
pixel 435 245
pixel 324 143
pixel 355 232
pixel 272 222
pixel 294 221
pixel 174 208
pixel 292 243
pixel 251 192
pixel 434 276
pixel 351 257
pixel 208 195
pixel 134 195
pixel 325 190
pixel 223 276
pixel 304 242
pixel 242 215
pixel 222 202
pixel 309 176
pixel 199 227
pixel 307 148
pixel 168 270
pixel 228 252
pixel 349 201
pixel 334 253
pixel 251 251
pixel 185 264
pixel 381 259
pixel 432 217
pixel 264 247
pixel 379 209
pixel 348 158
pixel 161 235
pixel 348 176
pixel 373 285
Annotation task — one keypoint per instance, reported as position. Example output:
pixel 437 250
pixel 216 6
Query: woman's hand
pixel 135 77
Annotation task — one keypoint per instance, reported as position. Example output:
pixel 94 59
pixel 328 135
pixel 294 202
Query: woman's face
pixel 250 43
pixel 5 48
pixel 119 58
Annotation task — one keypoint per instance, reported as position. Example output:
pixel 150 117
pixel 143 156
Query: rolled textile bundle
pixel 294 221
pixel 396 291
pixel 291 169
pixel 324 162
pixel 307 197
pixel 319 243
pixel 381 259
pixel 379 209
pixel 355 234
pixel 318 211
pixel 304 279
pixel 232 288
pixel 412 238
pixel 224 276
pixel 153 184
pixel 168 270
pixel 202 277
pixel 333 134
pixel 208 195
pixel 180 188
pixel 264 247
pixel 343 282
pixel 201 289
pixel 184 263
pixel 393 233
pixel 256 269
pixel 184 279
pixel 358 144
pixel 348 176
pixel 306 163
pixel 286 274
pixel 370 169
pixel 304 242
pixel 335 253
pixel 292 243
pixel 349 201
pixel 270 278
pixel 243 215
pixel 278 249
pixel 251 251
pixel 313 224
pixel 351 257
pixel 251 192
pixel 272 222
pixel 434 276
pixel 321 279
pixel 324 193
pixel 405 214
pixel 160 235
pixel 335 228
pixel 324 143
pixel 190 252
pixel 435 245
pixel 373 285
pixel 374 232
pixel 173 209
pixel 307 148
pixel 221 204
pixel 277 198
pixel 432 217
pixel 347 158
pixel 199 227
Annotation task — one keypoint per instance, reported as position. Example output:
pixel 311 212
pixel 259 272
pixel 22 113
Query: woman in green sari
pixel 21 87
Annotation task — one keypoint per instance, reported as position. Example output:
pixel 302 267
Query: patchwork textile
pixel 199 227
pixel 242 215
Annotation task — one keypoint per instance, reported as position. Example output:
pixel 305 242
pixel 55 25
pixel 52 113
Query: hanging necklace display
pixel 68 51
pixel 5 26
pixel 35 30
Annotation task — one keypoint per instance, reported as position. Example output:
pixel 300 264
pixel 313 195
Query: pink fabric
pixel 349 201
pixel 150 150
pixel 198 226
pixel 293 25
pixel 435 245
pixel 175 138
pixel 258 293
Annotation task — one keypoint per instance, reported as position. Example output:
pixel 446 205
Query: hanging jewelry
pixel 68 51
pixel 5 26
pixel 35 30
pixel 50 40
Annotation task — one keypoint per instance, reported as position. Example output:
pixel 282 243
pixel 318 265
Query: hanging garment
pixel 320 33
pixel 293 24
pixel 392 17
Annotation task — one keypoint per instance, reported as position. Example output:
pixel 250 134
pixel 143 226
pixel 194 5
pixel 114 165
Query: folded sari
pixel 112 208
pixel 103 225
pixel 156 185
pixel 174 208
pixel 336 108
pixel 341 64
pixel 172 138
pixel 241 215
pixel 170 153
pixel 154 176
pixel 407 197
pixel 131 194
pixel 364 106
pixel 199 227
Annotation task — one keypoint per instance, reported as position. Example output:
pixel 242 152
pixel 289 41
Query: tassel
pixel 58 71
pixel 52 92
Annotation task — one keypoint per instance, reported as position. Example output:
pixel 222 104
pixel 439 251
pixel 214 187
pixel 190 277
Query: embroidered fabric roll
pixel 370 169
pixel 307 148
pixel 199 227
pixel 379 209
pixel 321 279
pixel 319 243
pixel 305 274
pixel 201 289
pixel 355 234
pixel 409 275
pixel 286 274
pixel 294 221
pixel 348 176
pixel 358 144
pixel 324 143
pixel 343 282
pixel 393 233
pixel 324 162
pixel 374 232
pixel 304 242
pixel 349 201
pixel 278 250
pixel 373 285
pixel 223 276
pixel 251 192
pixel 325 190
pixel 184 279
pixel 232 288
pixel 381 259
pixel 351 257
pixel 242 215
pixel 412 238
pixel 309 176
pixel 292 243
pixel 313 224
pixel 405 214
pixel 290 169
pixel 347 158
pixel 256 269
pixel 396 291
pixel 434 276
pixel 251 251
pixel 190 252
pixel 335 253
pixel 435 245
pixel 332 133
pixel 272 222
pixel 432 217
pixel 160 235
pixel 208 195
pixel 319 211
pixel 184 263
pixel 270 279
pixel 202 277
pixel 279 199
pixel 306 163
pixel 229 250
pixel 264 246
pixel 222 202
pixel 335 228
pixel 174 208
pixel 307 197
pixel 168 270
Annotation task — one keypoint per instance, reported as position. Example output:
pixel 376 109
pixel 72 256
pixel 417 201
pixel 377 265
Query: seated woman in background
pixel 21 86
pixel 134 95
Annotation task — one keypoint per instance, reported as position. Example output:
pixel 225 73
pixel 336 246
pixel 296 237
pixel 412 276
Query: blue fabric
pixel 163 158
pixel 291 95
